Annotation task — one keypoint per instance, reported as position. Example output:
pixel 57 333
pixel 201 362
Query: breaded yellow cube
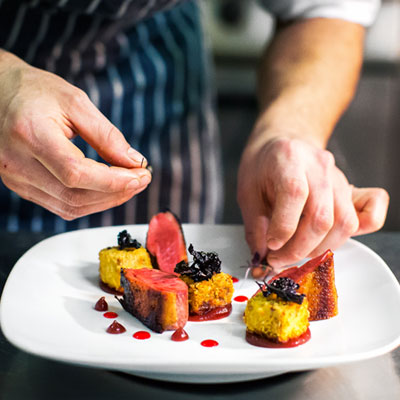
pixel 209 294
pixel 112 259
pixel 276 319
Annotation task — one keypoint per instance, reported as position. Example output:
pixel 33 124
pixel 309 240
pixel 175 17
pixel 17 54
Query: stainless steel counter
pixel 24 376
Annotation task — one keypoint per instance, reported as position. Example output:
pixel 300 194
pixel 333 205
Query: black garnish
pixel 125 240
pixel 203 267
pixel 283 287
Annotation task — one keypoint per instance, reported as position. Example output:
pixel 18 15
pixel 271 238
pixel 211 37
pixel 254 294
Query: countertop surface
pixel 24 376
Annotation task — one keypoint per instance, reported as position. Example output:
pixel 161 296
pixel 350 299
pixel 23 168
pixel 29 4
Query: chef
pixel 91 91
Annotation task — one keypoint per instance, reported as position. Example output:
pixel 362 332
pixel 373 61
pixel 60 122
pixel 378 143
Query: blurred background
pixel 366 142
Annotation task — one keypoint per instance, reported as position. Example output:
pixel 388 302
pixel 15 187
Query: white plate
pixel 47 310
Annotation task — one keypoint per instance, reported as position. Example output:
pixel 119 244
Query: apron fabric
pixel 144 64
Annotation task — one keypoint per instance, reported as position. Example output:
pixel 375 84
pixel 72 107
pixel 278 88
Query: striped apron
pixel 144 64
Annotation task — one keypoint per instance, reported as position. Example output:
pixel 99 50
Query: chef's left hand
pixel 296 203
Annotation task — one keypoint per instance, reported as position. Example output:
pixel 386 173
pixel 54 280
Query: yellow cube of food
pixel 209 294
pixel 112 259
pixel 276 319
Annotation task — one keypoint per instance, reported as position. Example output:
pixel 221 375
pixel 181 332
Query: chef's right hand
pixel 39 115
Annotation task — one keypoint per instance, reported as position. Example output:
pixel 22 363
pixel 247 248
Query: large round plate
pixel 47 310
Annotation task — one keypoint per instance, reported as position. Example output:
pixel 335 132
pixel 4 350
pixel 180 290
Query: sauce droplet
pixel 234 279
pixel 209 343
pixel 110 314
pixel 101 304
pixel 215 313
pixel 141 335
pixel 116 328
pixel 179 335
pixel 241 299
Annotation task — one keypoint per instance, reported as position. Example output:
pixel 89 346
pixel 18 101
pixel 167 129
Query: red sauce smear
pixel 179 335
pixel 257 340
pixel 234 279
pixel 110 314
pixel 209 343
pixel 141 335
pixel 215 313
pixel 101 304
pixel 105 288
pixel 116 328
pixel 241 299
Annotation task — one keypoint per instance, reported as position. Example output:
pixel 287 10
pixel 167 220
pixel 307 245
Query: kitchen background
pixel 366 141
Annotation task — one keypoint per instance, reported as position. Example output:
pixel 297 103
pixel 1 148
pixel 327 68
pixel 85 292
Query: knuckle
pixel 69 213
pixel 71 176
pixel 322 221
pixel 295 187
pixel 326 159
pixel 283 232
pixel 348 224
pixel 78 98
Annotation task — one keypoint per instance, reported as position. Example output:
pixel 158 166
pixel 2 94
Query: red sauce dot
pixel 179 335
pixel 209 343
pixel 110 314
pixel 234 279
pixel 241 299
pixel 101 304
pixel 141 335
pixel 116 328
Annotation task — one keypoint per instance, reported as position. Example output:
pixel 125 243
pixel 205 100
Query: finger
pixel 61 208
pixel 345 225
pixel 33 173
pixel 315 224
pixel 371 205
pixel 69 165
pixel 291 193
pixel 101 134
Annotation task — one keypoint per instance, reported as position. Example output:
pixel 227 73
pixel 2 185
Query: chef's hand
pixel 39 115
pixel 296 203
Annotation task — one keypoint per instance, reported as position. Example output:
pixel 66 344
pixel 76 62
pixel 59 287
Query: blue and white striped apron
pixel 147 70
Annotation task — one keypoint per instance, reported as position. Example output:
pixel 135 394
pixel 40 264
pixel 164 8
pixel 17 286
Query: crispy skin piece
pixel 317 281
pixel 165 241
pixel 112 259
pixel 276 319
pixel 209 294
pixel 156 298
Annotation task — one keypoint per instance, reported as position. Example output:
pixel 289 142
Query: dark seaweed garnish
pixel 203 267
pixel 125 240
pixel 283 287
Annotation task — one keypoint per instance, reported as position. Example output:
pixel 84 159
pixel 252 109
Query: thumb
pixel 101 134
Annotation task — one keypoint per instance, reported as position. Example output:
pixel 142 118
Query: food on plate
pixel 209 288
pixel 277 314
pixel 317 281
pixel 101 304
pixel 158 299
pixel 115 328
pixel 128 254
pixel 165 241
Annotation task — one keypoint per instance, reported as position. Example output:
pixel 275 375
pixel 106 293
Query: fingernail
pixel 149 168
pixel 256 259
pixel 137 157
pixel 133 184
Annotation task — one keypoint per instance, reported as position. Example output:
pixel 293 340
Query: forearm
pixel 307 78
